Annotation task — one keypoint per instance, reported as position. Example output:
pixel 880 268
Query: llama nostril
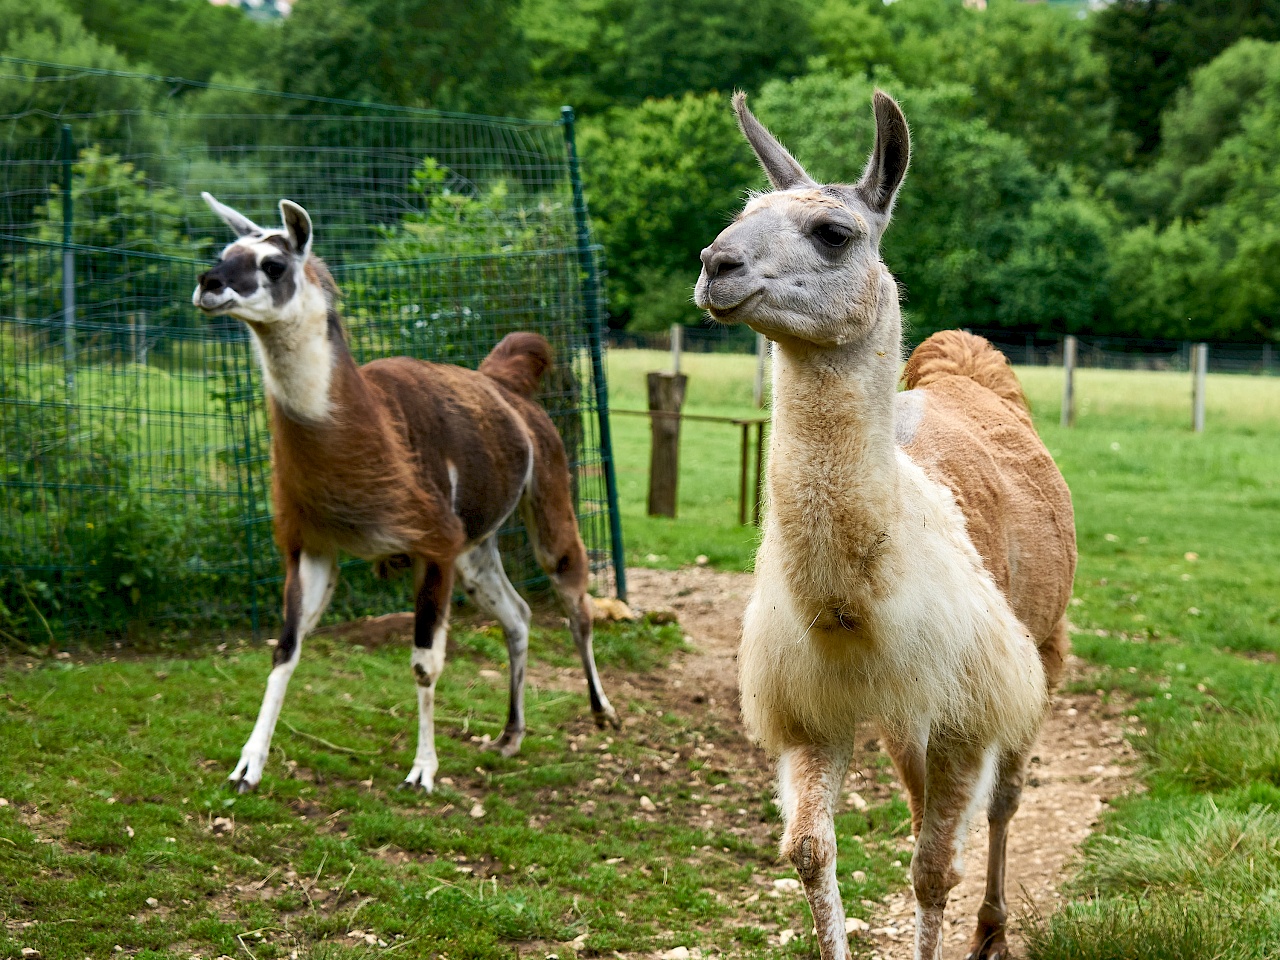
pixel 720 263
pixel 210 284
pixel 727 267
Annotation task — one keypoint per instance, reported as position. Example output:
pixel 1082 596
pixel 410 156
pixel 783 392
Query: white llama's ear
pixel 782 169
pixel 887 165
pixel 234 219
pixel 297 226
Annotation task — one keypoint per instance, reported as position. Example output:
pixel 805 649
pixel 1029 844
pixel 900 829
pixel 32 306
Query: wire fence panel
pixel 134 455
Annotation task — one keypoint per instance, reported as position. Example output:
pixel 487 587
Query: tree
pixel 601 53
pixel 464 55
pixel 663 179
pixel 1152 46
pixel 173 36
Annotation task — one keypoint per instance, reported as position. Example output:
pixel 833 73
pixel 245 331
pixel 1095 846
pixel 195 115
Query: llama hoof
pixel 608 717
pixel 508 745
pixel 989 947
pixel 247 774
pixel 419 778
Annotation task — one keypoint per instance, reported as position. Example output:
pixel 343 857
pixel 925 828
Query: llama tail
pixel 957 353
pixel 518 362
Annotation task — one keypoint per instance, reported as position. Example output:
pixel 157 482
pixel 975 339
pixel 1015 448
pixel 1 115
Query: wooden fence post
pixel 666 397
pixel 1200 368
pixel 762 351
pixel 1068 381
pixel 677 346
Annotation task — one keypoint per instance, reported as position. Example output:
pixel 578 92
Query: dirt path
pixel 1081 762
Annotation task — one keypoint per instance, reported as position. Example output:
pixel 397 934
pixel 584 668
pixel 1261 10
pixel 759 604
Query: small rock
pixel 222 825
pixel 787 885
pixel 3 802
pixel 702 559
pixel 647 805
pixel 152 902
pixel 785 937
pixel 676 953
pixel 30 953
pixel 854 925
pixel 477 811
pixel 859 876
pixel 856 801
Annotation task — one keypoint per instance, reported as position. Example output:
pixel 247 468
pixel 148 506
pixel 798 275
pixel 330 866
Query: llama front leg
pixel 989 941
pixel 434 586
pixel 957 779
pixel 308 584
pixel 486 583
pixel 809 781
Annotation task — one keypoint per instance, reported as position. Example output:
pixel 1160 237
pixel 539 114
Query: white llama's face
pixel 803 262
pixel 259 277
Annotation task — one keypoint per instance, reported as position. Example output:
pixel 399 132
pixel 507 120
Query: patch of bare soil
pixel 1082 761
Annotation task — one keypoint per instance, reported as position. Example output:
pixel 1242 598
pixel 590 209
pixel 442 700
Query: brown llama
pixel 399 462
pixel 919 547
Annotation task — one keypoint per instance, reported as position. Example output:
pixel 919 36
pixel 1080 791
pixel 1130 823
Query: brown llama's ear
pixel 782 169
pixel 297 227
pixel 237 221
pixel 887 165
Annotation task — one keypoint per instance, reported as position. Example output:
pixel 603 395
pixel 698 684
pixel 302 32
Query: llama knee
pixel 811 852
pixel 933 879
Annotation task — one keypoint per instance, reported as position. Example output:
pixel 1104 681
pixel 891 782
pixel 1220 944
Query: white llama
pixel 919 547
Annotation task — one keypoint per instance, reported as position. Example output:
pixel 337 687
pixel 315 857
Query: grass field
pixel 116 829
pixel 1177 604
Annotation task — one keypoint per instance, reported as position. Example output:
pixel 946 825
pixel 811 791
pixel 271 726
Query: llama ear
pixel 234 219
pixel 297 225
pixel 888 162
pixel 782 169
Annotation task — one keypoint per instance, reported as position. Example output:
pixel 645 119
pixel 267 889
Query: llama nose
pixel 720 263
pixel 210 284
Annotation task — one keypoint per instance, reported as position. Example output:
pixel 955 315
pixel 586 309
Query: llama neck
pixel 299 361
pixel 833 474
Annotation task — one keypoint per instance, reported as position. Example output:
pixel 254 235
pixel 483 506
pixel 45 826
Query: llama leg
pixel 308 584
pixel 908 760
pixel 957 780
pixel 989 939
pixel 486 583
pixel 554 534
pixel 809 781
pixel 434 584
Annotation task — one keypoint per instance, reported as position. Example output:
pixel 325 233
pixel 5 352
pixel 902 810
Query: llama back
pixel 970 429
pixel 950 353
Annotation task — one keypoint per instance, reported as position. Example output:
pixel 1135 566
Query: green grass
pixel 118 829
pixel 1177 604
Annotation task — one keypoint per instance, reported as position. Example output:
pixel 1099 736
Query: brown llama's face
pixel 803 263
pixel 260 277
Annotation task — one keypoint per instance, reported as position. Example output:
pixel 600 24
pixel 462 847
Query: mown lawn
pixel 1177 604
pixel 118 836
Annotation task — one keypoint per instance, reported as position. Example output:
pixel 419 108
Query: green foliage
pixel 601 53
pixel 1152 46
pixel 663 179
pixel 181 38
pixel 449 54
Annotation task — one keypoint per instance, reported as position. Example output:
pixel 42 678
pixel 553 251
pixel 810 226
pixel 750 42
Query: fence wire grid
pixel 134 454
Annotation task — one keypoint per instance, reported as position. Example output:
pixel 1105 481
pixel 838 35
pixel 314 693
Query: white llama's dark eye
pixel 274 269
pixel 832 235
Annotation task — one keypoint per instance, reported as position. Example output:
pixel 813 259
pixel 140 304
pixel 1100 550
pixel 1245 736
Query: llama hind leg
pixel 989 941
pixel 486 583
pixel 553 531
pixel 434 585
pixel 809 781
pixel 308 585
pixel 957 781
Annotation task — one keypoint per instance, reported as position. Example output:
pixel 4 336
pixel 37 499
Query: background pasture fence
pixel 134 467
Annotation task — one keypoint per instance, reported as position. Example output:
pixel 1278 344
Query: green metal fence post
pixel 68 263
pixel 591 300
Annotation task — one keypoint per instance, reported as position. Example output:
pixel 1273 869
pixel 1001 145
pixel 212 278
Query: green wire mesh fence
pixel 134 467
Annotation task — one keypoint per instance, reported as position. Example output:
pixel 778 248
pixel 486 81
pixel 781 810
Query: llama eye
pixel 274 269
pixel 832 235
